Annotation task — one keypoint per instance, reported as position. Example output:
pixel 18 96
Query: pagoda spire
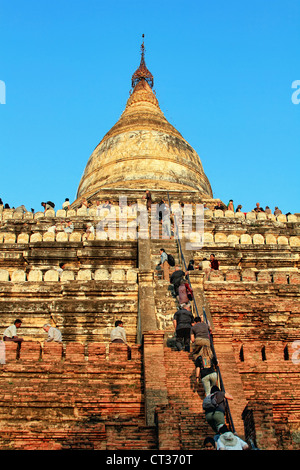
pixel 142 73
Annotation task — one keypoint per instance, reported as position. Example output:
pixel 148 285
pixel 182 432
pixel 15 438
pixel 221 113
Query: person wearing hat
pixel 229 441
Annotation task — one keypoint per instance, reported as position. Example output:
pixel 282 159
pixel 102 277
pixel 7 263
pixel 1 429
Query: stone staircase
pixel 165 302
pixel 183 425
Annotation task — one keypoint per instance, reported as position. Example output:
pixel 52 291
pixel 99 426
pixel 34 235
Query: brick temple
pixel 88 393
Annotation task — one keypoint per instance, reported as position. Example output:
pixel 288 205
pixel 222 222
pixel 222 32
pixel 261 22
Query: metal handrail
pixel 227 408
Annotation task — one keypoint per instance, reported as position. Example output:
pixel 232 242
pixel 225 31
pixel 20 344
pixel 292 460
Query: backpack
pixel 210 402
pixel 51 204
pixel 171 260
pixel 206 361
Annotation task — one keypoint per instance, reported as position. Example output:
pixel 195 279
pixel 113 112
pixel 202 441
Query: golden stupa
pixel 143 150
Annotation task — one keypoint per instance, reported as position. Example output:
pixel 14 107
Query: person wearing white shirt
pixel 229 441
pixel 66 204
pixel 53 333
pixel 10 334
pixel 118 335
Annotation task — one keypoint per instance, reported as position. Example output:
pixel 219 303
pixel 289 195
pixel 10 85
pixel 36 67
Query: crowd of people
pixel 191 332
pixel 163 207
pixel 257 208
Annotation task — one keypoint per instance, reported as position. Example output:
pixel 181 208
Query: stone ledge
pixel 36 352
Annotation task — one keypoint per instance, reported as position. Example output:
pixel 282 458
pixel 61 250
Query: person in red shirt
pixel 214 263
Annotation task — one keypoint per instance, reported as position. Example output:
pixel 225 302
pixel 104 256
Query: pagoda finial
pixel 142 73
pixel 143 49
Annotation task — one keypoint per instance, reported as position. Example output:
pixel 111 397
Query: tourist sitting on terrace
pixel 10 334
pixel 47 205
pixel 21 209
pixel 66 204
pixel 214 263
pixel 90 231
pixel 257 208
pixel 268 210
pixel 277 211
pixel 205 264
pixel 118 335
pixel 84 203
pixel 54 334
pixel 220 206
pixel 69 227
pixel 61 268
pixel 230 206
pixel 191 266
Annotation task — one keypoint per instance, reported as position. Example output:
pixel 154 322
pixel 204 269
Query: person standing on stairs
pixel 200 335
pixel 182 321
pixel 215 408
pixel 148 198
pixel 206 364
pixel 164 264
pixel 183 293
pixel 176 278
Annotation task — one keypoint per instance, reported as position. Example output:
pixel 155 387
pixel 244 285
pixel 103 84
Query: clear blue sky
pixel 223 74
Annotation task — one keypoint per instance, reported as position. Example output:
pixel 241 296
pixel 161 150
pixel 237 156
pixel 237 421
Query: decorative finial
pixel 142 73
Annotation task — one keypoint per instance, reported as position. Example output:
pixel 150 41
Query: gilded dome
pixel 143 150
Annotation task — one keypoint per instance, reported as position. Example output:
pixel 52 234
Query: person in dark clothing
pixel 214 263
pixel 191 265
pixel 148 200
pixel 182 322
pixel 176 278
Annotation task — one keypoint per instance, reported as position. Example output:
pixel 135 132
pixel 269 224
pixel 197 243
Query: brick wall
pixel 55 399
pixel 259 322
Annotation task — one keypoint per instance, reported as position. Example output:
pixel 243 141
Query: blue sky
pixel 223 74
